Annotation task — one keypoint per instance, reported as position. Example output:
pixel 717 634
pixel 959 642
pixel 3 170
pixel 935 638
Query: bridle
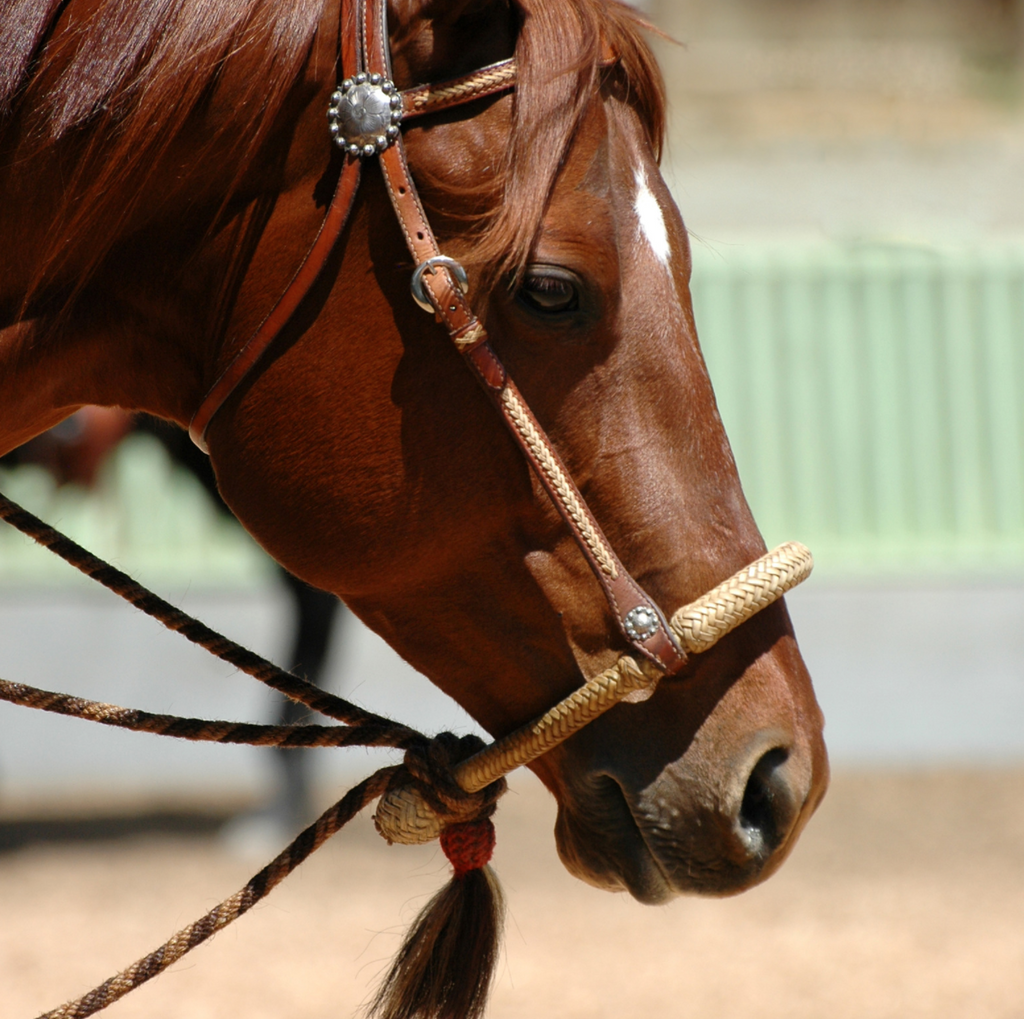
pixel 365 117
pixel 438 791
pixel 437 284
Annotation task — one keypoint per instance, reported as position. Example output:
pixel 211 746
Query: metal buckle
pixel 431 265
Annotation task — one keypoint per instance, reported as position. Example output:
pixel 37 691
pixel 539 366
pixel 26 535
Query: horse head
pixel 419 511
pixel 364 457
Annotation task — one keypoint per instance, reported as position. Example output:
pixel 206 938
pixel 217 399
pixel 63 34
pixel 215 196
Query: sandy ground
pixel 905 898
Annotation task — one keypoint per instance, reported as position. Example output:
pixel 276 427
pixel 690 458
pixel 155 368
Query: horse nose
pixel 773 797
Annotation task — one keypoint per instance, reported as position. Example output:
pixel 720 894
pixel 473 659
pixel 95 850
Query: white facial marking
pixel 652 220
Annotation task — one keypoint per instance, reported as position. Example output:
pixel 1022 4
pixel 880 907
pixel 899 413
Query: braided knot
pixel 468 845
pixel 424 798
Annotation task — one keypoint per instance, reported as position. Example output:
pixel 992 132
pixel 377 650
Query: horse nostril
pixel 769 807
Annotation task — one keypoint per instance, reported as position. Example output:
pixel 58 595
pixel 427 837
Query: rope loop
pixel 424 797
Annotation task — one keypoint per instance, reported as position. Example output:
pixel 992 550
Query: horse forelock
pixel 561 52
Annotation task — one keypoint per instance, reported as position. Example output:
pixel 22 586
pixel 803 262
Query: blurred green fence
pixel 146 515
pixel 874 397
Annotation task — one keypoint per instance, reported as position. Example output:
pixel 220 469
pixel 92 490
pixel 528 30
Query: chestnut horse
pixel 164 165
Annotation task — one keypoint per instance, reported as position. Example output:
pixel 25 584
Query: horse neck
pixel 170 299
pixel 139 309
pixel 130 341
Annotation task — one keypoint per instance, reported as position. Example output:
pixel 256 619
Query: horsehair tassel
pixel 446 964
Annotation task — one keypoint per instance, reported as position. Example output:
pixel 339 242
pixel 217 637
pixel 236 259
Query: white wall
pixel 911 676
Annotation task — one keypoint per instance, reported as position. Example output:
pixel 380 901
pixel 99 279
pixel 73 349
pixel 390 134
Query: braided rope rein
pixel 189 627
pixel 427 797
pixel 226 912
pixel 200 730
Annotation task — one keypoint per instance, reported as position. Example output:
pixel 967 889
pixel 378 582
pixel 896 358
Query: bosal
pixel 447 787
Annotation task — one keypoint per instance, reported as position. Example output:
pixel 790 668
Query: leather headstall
pixel 439 286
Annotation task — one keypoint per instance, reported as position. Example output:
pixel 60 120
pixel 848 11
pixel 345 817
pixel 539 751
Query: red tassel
pixel 468 846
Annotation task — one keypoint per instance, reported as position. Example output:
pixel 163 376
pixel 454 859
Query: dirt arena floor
pixel 905 898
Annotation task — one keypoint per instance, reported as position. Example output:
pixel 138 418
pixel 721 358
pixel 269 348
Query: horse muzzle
pixel 712 811
pixel 665 840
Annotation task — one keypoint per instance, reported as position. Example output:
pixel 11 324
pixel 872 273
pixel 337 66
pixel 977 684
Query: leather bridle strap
pixel 638 617
pixel 330 230
pixel 416 102
pixel 366 55
pixel 245 360
pixel 488 81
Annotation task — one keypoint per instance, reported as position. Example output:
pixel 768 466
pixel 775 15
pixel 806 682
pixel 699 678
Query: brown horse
pixel 164 165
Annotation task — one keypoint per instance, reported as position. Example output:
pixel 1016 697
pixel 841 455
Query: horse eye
pixel 549 293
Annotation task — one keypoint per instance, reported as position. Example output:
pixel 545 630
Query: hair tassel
pixel 446 964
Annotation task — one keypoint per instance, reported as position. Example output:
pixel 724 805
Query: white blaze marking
pixel 652 220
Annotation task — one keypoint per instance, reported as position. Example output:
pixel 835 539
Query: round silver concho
pixel 364 114
pixel 642 623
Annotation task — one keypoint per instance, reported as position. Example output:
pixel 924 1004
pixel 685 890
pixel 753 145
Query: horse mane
pixel 121 84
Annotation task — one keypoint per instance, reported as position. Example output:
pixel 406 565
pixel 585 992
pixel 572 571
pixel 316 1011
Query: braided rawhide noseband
pixel 447 786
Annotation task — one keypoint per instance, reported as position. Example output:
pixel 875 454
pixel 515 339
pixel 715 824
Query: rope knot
pixel 424 797
pixel 468 845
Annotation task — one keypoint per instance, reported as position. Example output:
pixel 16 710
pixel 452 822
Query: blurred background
pixel 852 175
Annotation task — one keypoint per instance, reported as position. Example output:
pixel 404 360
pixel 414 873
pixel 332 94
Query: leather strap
pixel 625 596
pixel 306 275
pixel 488 81
pixel 416 102
pixel 365 47
pixel 245 360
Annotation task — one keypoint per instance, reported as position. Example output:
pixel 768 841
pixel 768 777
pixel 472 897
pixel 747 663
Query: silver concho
pixel 364 114
pixel 642 623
